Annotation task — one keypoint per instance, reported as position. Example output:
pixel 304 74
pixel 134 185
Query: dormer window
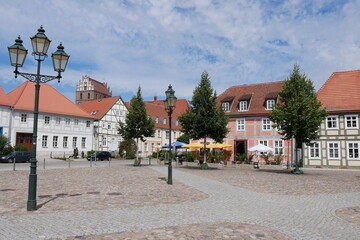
pixel 244 102
pixel 226 103
pixel 270 103
pixel 243 106
pixel 226 106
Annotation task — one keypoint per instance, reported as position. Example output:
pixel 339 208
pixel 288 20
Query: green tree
pixel 299 113
pixel 128 145
pixel 137 124
pixel 185 138
pixel 5 147
pixel 204 118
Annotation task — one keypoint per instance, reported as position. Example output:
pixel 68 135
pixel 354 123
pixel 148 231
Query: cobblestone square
pixel 126 202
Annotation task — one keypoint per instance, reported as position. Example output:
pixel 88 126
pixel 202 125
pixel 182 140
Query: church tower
pixel 90 89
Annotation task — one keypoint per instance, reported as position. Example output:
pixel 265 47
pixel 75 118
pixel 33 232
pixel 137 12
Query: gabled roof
pixel 181 105
pixel 4 100
pixel 256 94
pixel 50 100
pixel 99 107
pixel 156 109
pixel 341 92
pixel 100 87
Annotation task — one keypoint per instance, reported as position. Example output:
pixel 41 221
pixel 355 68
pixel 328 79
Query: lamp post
pixel 170 104
pixel 17 52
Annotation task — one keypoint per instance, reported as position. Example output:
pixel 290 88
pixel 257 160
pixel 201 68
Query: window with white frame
pixel 351 121
pixel 55 141
pixel 240 124
pixel 159 133
pixel 263 142
pixel 109 126
pixel 23 117
pixel 67 121
pixel 270 103
pixel 353 150
pixel 83 142
pixel 167 135
pixel 88 123
pixel 65 142
pixel 76 121
pixel 152 147
pixel 57 120
pixel 44 141
pixel 104 142
pixel 47 120
pixel 332 122
pixel 333 150
pixel 74 142
pixel 279 147
pixel 243 105
pixel 226 106
pixel 146 147
pixel 266 124
pixel 314 150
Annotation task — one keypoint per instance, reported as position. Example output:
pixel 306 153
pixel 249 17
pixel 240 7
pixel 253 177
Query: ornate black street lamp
pixel 40 44
pixel 170 104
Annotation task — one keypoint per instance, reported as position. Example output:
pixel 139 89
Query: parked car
pixel 103 155
pixel 20 156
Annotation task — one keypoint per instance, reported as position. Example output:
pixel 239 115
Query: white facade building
pixel 62 125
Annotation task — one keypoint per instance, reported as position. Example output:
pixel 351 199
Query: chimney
pixel 155 98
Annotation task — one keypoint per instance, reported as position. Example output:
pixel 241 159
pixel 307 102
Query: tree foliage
pixel 137 124
pixel 185 138
pixel 128 145
pixel 204 118
pixel 5 147
pixel 299 113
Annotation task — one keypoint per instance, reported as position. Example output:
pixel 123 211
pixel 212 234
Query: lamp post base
pixel 31 205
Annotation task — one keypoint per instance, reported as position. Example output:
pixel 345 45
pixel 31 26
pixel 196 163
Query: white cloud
pixel 154 43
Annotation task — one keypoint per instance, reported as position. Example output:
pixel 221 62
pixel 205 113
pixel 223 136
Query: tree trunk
pixel 137 149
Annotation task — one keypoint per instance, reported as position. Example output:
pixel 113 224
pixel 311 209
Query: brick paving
pixel 195 231
pixel 136 203
pixel 283 182
pixel 91 188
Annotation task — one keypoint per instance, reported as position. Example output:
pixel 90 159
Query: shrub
pixel 5 147
pixel 20 147
pixel 240 157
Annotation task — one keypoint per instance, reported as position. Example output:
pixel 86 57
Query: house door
pixel 240 147
pixel 24 139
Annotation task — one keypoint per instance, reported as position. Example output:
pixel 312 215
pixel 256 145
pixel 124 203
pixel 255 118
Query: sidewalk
pixel 135 202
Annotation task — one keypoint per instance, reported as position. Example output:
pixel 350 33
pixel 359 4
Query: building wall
pixel 5 117
pixel 59 126
pixel 340 135
pixel 86 90
pixel 253 134
pixel 160 138
pixel 106 129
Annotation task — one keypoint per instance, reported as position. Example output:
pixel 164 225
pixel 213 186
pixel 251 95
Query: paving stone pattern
pixel 271 215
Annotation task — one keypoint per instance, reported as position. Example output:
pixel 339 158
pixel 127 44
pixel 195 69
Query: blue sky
pixel 154 43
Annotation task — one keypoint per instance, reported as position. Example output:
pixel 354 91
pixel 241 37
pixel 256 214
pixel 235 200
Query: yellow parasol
pixel 194 145
pixel 219 145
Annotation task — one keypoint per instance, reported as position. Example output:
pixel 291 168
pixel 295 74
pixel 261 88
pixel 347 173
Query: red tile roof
pixel 50 100
pixel 99 107
pixel 101 87
pixel 257 94
pixel 156 109
pixel 4 100
pixel 341 92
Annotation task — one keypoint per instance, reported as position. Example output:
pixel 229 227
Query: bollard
pixel 109 161
pixel 69 162
pixel 14 164
pixel 149 160
pixel 44 164
pixel 90 161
